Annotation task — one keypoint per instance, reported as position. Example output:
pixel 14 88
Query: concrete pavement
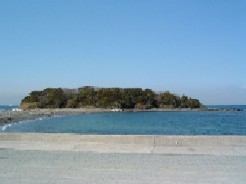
pixel 66 158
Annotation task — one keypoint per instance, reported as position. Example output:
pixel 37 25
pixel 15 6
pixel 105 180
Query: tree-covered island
pixel 93 97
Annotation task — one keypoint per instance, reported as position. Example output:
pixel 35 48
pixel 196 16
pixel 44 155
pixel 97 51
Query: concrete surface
pixel 66 158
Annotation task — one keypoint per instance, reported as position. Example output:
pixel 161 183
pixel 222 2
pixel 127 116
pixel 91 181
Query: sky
pixel 196 48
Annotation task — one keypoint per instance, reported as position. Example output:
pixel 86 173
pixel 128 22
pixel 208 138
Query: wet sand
pixel 68 158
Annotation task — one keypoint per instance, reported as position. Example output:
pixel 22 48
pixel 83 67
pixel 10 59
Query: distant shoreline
pixel 9 117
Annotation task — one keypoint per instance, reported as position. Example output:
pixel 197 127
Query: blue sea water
pixel 7 107
pixel 141 123
pixel 242 107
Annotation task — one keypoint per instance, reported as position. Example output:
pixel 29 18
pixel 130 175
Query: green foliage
pixel 48 98
pixel 168 99
pixel 184 102
pixel 125 98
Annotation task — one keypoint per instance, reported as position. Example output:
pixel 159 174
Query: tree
pixel 168 99
pixel 88 96
pixel 54 98
pixel 184 102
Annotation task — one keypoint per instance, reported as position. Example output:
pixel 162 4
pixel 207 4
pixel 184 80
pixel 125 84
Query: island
pixel 107 98
pixel 88 99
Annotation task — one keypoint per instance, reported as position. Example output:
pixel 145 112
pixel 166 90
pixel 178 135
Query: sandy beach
pixel 69 158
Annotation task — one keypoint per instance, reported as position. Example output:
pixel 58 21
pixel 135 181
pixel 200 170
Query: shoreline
pixel 10 117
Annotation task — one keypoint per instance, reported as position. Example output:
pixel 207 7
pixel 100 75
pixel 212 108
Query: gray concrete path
pixel 66 158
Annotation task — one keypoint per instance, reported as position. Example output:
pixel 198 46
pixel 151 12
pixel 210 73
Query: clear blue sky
pixel 196 48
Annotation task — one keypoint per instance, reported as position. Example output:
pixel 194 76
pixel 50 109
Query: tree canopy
pixel 91 97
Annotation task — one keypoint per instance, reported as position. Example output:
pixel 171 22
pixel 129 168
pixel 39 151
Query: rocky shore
pixel 7 117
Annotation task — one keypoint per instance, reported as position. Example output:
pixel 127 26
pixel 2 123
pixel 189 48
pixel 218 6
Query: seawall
pixel 219 145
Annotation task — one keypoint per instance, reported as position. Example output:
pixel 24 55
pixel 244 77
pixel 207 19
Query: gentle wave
pixel 8 108
pixel 5 127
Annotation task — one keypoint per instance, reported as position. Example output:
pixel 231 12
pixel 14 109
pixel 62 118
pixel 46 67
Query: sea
pixel 7 107
pixel 141 123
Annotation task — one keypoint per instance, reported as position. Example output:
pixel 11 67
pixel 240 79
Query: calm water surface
pixel 7 107
pixel 140 123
